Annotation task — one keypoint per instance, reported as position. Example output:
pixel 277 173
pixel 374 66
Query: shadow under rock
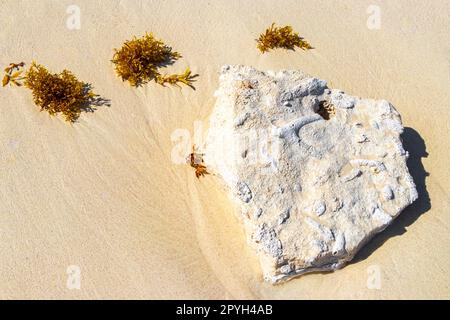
pixel 415 145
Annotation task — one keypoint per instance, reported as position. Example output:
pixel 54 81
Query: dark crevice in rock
pixel 326 110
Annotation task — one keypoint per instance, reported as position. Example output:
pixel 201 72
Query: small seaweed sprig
pixel 195 160
pixel 281 37
pixel 138 61
pixel 186 78
pixel 12 77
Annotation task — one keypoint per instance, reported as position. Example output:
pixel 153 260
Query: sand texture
pixel 105 195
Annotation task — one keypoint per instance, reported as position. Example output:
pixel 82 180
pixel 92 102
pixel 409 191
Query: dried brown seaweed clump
pixel 61 92
pixel 139 60
pixel 55 93
pixel 284 37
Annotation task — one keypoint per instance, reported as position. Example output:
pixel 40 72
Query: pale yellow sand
pixel 104 195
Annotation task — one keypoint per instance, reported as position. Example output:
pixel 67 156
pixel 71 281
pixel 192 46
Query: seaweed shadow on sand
pixel 95 101
pixel 415 145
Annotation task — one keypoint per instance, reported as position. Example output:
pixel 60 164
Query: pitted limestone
pixel 314 186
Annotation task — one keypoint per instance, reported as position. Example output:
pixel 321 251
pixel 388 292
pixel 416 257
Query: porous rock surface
pixel 314 172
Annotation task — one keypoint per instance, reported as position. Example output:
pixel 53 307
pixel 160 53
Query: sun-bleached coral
pixel 314 172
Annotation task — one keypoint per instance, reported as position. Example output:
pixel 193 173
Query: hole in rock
pixel 326 110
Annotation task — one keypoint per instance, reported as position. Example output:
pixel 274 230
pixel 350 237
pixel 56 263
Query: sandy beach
pixel 104 195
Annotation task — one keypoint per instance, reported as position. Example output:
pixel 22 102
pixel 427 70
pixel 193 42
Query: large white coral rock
pixel 310 191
